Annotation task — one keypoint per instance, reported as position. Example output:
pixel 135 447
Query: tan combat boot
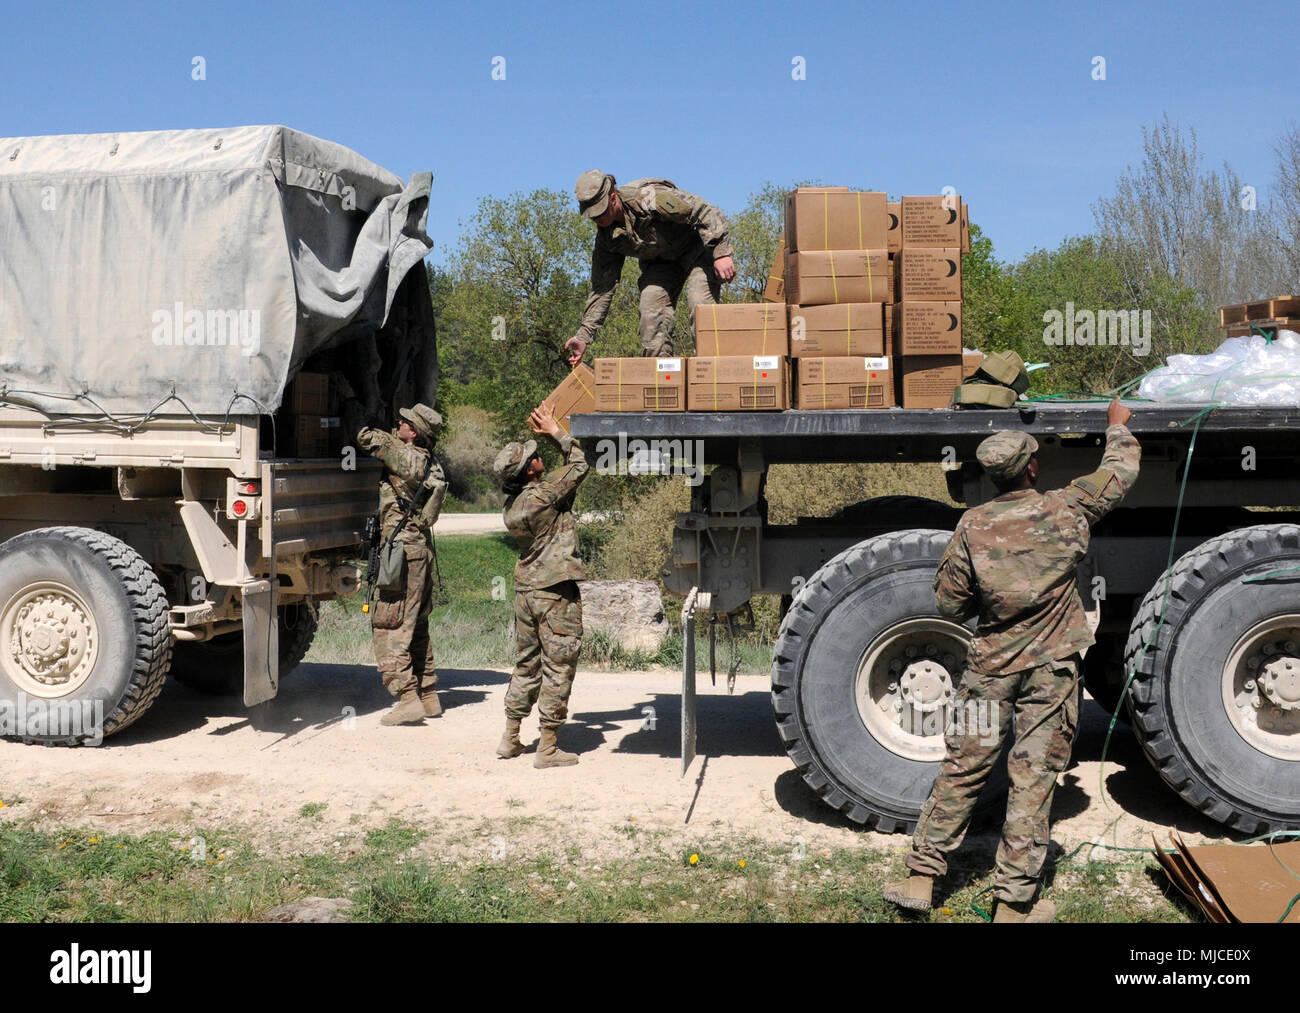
pixel 1043 911
pixel 916 893
pixel 429 698
pixel 510 745
pixel 548 755
pixel 407 711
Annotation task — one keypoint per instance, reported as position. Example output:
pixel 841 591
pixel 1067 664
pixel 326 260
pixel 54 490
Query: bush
pixel 468 446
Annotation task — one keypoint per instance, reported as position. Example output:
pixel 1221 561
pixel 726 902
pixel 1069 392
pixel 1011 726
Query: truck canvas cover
pixel 205 263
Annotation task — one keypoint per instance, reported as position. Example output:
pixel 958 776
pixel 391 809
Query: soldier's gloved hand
pixel 540 420
pixel 724 268
pixel 575 346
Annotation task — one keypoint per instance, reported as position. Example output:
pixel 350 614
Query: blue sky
pixel 997 100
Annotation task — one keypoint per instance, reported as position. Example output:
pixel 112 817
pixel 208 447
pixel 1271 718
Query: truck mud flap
pixel 261 642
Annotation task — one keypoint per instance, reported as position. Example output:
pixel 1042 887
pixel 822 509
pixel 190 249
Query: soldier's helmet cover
pixel 424 420
pixel 512 459
pixel 592 190
pixel 1006 454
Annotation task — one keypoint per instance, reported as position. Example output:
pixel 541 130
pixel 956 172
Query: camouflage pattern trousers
pixel 1043 706
pixel 399 621
pixel 548 633
pixel 661 283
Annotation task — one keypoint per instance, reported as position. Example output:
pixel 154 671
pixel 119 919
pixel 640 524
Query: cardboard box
pixel 965 229
pixel 854 328
pixel 738 383
pixel 894 235
pixel 741 329
pixel 641 385
pixel 308 394
pixel 926 275
pixel 839 276
pixel 927 381
pixel 970 362
pixel 843 382
pixel 775 289
pixel 828 220
pixel 932 222
pixel 576 395
pixel 318 435
pixel 927 328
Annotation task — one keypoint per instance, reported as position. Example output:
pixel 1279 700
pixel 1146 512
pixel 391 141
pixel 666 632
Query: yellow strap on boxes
pixel 859 221
pixel 835 285
pixel 848 328
pixel 871 285
pixel 717 342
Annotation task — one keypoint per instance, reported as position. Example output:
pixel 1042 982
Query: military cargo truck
pixel 1189 583
pixel 163 506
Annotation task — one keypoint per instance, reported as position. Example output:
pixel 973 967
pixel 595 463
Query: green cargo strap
pixel 1006 368
pixel 984 395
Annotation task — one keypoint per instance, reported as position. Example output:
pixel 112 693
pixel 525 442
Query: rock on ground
pixel 629 611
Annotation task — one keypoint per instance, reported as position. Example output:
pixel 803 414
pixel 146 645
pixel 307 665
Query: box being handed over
pixel 641 385
pixel 733 383
pixel 576 395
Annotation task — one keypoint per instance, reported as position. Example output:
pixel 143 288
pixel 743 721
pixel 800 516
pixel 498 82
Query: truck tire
pixel 216 666
pixel 869 750
pixel 102 645
pixel 1215 700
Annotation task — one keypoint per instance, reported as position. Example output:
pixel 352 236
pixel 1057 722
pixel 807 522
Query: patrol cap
pixel 510 462
pixel 592 190
pixel 424 420
pixel 1006 454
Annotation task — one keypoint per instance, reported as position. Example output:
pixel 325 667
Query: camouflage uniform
pixel 676 236
pixel 399 619
pixel 1012 562
pixel 548 608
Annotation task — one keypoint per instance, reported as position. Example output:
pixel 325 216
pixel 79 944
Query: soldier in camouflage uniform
pixel 680 240
pixel 548 607
pixel 1012 563
pixel 399 619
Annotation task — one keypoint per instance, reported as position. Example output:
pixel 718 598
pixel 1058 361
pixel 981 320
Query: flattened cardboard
pixel 894 226
pixel 839 276
pixel 932 222
pixel 928 275
pixel 1248 880
pixel 927 328
pixel 575 395
pixel 738 383
pixel 843 382
pixel 927 381
pixel 775 289
pixel 855 328
pixel 641 385
pixel 828 220
pixel 741 329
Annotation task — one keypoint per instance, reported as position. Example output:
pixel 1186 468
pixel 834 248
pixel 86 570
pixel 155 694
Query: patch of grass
pixel 313 810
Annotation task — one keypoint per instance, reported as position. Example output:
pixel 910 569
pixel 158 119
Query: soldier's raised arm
pixel 564 481
pixel 955 590
pixel 403 460
pixel 1096 494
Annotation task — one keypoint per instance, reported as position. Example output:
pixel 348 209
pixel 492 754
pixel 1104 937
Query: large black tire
pixel 100 600
pixel 216 666
pixel 837 619
pixel 1179 694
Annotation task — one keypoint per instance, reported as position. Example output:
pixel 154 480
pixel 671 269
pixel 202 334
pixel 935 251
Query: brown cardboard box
pixel 309 394
pixel 738 383
pixel 926 275
pixel 854 328
pixel 829 220
pixel 844 382
pixel 970 362
pixel 927 381
pixel 741 329
pixel 576 395
pixel 927 328
pixel 965 228
pixel 839 276
pixel 775 289
pixel 318 435
pixel 894 236
pixel 932 222
pixel 641 385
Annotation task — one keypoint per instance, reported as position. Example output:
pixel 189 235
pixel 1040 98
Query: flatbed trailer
pixel 1192 584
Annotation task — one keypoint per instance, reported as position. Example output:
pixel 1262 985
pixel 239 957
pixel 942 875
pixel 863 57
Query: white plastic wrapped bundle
pixel 1241 371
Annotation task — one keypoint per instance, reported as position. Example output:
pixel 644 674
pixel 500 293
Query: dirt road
pixel 469 524
pixel 196 761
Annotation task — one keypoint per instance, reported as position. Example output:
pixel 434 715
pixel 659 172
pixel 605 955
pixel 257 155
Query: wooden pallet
pixel 1269 327
pixel 1282 307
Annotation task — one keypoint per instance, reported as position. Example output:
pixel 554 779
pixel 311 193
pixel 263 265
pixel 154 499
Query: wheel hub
pixel 1261 687
pixel 925 685
pixel 1280 682
pixel 48 640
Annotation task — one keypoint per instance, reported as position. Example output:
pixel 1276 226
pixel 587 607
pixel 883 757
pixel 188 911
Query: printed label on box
pixel 766 361
pixel 668 365
pixel 877 363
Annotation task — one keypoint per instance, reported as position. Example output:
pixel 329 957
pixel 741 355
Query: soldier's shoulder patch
pixel 670 204
pixel 1096 483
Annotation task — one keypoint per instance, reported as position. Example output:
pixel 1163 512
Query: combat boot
pixel 510 745
pixel 547 753
pixel 407 711
pixel 429 698
pixel 1043 911
pixel 916 893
